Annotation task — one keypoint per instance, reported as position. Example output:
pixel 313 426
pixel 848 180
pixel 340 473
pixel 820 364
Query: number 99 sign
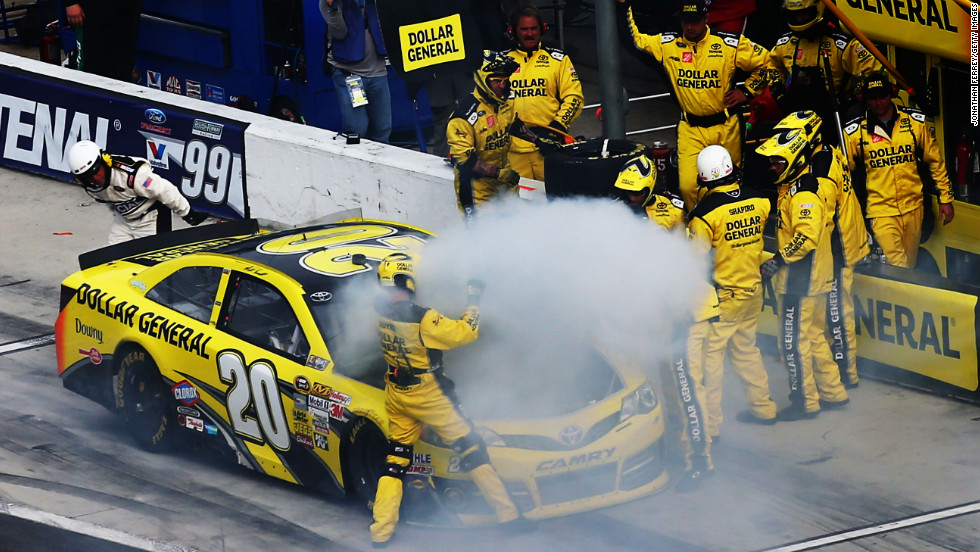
pixel 210 171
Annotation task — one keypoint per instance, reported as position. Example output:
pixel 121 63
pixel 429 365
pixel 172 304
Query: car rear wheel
pixel 144 402
pixel 367 449
pixel 588 168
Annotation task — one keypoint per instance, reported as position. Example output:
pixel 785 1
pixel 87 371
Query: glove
pixel 554 132
pixel 547 145
pixel 509 177
pixel 474 290
pixel 771 266
pixel 195 217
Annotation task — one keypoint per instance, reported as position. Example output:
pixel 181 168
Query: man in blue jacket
pixel 360 76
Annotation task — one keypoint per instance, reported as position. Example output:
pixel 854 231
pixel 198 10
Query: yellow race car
pixel 257 344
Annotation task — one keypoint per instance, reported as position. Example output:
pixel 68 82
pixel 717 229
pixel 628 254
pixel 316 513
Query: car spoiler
pixel 168 240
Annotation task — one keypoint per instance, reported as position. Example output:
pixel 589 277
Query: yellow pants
pixel 813 374
pixel 899 236
pixel 691 140
pixel 689 392
pixel 409 408
pixel 529 164
pixel 483 189
pixel 840 325
pixel 735 333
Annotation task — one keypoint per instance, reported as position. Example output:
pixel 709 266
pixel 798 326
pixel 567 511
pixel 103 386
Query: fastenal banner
pixel 41 118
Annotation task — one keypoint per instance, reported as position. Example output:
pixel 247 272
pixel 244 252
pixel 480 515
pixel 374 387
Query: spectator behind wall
pixel 107 31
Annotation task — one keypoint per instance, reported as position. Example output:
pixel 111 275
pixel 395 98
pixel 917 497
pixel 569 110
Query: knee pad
pixel 400 450
pixel 472 451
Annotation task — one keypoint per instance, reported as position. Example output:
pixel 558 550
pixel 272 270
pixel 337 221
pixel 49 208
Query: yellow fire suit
pixel 728 223
pixel 666 209
pixel 803 230
pixel 413 338
pixel 894 187
pixel 700 74
pixel 849 244
pixel 132 194
pixel 547 92
pixel 479 130
pixel 801 69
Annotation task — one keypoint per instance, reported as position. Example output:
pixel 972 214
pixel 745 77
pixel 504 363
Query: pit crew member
pixel 727 224
pixel 130 188
pixel 547 92
pixel 887 145
pixel 803 266
pixel 701 64
pixel 479 135
pixel 418 393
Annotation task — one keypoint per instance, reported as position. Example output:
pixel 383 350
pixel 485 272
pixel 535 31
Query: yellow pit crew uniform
pixel 803 230
pixel 700 74
pixel 888 154
pixel 132 194
pixel 546 93
pixel 416 394
pixel 801 69
pixel 480 130
pixel 849 244
pixel 728 222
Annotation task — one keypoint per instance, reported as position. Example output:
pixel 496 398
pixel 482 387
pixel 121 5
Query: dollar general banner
pixel 939 27
pixel 432 42
pixel 439 36
pixel 911 328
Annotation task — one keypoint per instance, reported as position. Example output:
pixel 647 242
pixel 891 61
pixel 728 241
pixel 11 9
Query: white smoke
pixel 561 277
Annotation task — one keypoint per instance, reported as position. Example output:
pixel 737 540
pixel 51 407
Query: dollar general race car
pixel 245 341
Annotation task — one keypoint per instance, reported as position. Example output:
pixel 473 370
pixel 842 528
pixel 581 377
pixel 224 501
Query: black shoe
pixel 852 385
pixel 518 525
pixel 379 545
pixel 747 417
pixel 691 480
pixel 793 413
pixel 834 405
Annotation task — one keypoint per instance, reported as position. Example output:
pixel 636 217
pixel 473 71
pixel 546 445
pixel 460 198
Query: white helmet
pixel 84 158
pixel 715 167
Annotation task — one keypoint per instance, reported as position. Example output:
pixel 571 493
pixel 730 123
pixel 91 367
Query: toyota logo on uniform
pixel 571 435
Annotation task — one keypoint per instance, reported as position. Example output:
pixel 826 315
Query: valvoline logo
pixel 155 116
pixel 156 154
pixel 186 393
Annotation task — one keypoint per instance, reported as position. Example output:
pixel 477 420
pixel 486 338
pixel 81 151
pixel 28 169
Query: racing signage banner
pixel 939 27
pixel 429 36
pixel 922 332
pixel 41 118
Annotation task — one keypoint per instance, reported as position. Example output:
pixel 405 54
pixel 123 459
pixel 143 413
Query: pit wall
pixel 228 162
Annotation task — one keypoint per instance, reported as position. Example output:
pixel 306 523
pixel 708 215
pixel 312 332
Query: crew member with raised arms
pixel 701 64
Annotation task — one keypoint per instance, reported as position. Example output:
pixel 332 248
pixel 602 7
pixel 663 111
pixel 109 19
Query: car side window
pixel 190 291
pixel 258 313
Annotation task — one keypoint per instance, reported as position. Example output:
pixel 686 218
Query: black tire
pixel 366 451
pixel 145 403
pixel 581 170
pixel 283 107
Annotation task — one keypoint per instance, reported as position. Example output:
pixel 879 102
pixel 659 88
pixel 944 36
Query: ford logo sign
pixel 155 116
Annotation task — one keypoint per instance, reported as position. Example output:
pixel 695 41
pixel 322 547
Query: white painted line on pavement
pixel 89 529
pixel 29 343
pixel 837 538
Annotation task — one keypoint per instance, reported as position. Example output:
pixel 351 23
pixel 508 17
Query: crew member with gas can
pixel 546 89
pixel 418 393
pixel 798 57
pixel 888 145
pixel 803 266
pixel 130 188
pixel 639 186
pixel 480 132
pixel 727 224
pixel 701 63
pixel 360 72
